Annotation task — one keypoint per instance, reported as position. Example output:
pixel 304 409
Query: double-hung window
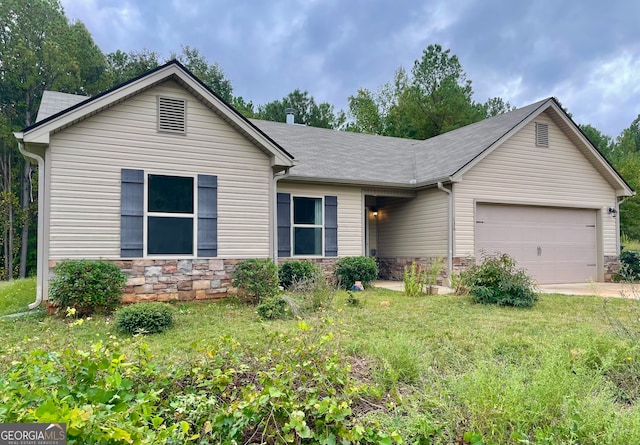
pixel 170 215
pixel 307 226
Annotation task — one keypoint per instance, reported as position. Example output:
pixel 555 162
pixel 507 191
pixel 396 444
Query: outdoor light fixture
pixel 612 211
pixel 374 211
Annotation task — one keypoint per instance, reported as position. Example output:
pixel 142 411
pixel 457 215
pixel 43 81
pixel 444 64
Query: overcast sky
pixel 584 52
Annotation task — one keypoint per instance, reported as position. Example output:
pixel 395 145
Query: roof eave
pixel 350 182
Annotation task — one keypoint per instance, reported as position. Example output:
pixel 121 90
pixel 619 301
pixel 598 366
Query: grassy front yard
pixel 439 366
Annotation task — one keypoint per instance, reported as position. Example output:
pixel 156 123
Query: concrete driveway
pixel 599 289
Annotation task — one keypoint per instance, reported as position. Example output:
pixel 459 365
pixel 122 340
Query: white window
pixel 307 226
pixel 170 216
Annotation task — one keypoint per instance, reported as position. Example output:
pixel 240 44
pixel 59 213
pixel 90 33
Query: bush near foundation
pixel 145 318
pixel 630 265
pixel 356 268
pixel 291 272
pixel 87 286
pixel 256 279
pixel 499 281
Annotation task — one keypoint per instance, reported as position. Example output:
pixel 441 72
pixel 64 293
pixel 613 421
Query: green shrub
pixel 630 264
pixel 300 390
pixel 87 286
pixel 498 281
pixel 356 268
pixel 255 279
pixel 273 307
pixel 291 271
pixel 145 318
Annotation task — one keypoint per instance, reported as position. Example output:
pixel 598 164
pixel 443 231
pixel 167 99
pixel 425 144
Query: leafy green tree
pixel 440 95
pixel 211 74
pixel 366 113
pixel 88 60
pixel 39 49
pixel 601 141
pixel 247 109
pixel 629 139
pixel 626 159
pixel 122 66
pixel 307 112
pixel 435 97
pixel 496 105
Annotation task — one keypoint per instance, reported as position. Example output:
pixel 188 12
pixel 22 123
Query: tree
pixel 601 141
pixel 441 92
pixel 496 105
pixel 122 67
pixel 211 74
pixel 307 112
pixel 366 113
pixel 434 98
pixel 245 108
pixel 39 49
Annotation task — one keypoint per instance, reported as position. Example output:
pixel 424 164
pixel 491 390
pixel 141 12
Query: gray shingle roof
pixel 344 156
pixel 53 102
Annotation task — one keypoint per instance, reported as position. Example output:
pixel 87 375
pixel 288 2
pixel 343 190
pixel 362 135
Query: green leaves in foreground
pixel 300 390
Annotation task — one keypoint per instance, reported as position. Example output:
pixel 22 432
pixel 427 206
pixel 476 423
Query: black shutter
pixel 330 226
pixel 207 216
pixel 131 213
pixel 284 225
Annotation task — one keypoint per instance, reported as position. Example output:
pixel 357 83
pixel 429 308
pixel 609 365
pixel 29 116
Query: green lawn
pixel 16 295
pixel 562 372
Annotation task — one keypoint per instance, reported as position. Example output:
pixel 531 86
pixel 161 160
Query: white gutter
pixel 40 248
pixel 274 220
pixel 449 231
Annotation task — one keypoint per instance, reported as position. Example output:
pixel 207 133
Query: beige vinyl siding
pixel 86 160
pixel 350 212
pixel 518 172
pixel 413 227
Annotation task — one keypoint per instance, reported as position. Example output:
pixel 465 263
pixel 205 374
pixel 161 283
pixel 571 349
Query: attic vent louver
pixel 542 135
pixel 172 116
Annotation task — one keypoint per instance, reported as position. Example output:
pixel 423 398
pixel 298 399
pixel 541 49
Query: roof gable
pixel 49 123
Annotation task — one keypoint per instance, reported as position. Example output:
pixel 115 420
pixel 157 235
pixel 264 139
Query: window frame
pixel 294 226
pixel 147 214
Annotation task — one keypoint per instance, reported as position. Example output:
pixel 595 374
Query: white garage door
pixel 554 245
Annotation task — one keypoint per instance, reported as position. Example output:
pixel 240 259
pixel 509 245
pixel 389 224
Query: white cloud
pixel 118 23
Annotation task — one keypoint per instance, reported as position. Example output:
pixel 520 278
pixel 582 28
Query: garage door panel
pixel 553 244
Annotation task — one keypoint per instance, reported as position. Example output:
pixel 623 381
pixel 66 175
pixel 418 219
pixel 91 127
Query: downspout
pixel 274 232
pixel 619 200
pixel 449 230
pixel 40 248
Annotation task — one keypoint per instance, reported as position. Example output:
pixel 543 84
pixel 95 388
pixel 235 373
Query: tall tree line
pixel 623 153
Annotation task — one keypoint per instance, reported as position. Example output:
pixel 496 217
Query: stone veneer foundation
pixel 393 268
pixel 166 280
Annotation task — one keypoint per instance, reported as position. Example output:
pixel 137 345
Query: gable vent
pixel 172 115
pixel 542 135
